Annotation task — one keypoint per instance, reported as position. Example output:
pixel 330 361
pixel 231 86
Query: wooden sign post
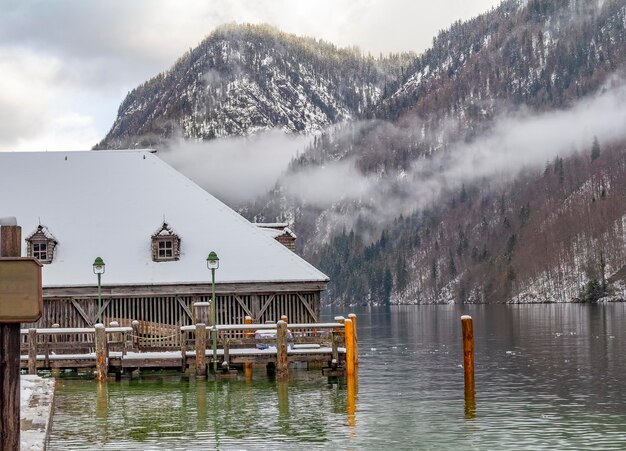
pixel 20 300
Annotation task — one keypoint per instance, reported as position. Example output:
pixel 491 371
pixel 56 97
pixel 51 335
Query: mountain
pixel 246 78
pixel 399 242
pixel 436 183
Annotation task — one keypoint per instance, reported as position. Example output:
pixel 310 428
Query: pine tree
pixel 595 149
pixel 387 285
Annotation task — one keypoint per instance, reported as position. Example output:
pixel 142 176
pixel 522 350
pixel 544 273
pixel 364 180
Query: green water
pixel 548 377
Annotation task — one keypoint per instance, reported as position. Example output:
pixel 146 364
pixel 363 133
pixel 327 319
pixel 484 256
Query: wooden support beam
pixel 248 334
pixel 308 307
pixel 265 306
pixel 352 316
pixel 32 351
pixel 201 351
pixel 101 353
pixel 282 363
pixel 243 305
pixel 82 313
pixel 10 246
pixel 349 331
pixel 467 328
pixel 185 308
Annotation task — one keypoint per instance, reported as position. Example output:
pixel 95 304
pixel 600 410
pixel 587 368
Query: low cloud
pixel 514 143
pixel 235 170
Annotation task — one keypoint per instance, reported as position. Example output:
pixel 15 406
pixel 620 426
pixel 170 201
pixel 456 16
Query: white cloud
pixel 79 57
pixel 235 170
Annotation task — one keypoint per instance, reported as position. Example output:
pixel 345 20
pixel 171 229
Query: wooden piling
pixel 101 353
pixel 55 372
pixel 248 334
pixel 351 396
pixel 32 351
pixel 349 337
pixel 201 363
pixel 352 317
pixel 282 364
pixel 10 246
pixel 467 328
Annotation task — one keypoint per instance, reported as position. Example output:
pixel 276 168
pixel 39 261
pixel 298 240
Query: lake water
pixel 547 377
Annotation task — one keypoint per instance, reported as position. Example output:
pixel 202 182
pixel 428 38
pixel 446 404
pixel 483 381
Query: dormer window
pixel 40 244
pixel 165 244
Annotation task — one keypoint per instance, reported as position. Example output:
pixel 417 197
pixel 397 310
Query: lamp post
pixel 213 262
pixel 98 269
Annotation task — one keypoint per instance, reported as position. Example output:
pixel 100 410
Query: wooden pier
pixel 115 351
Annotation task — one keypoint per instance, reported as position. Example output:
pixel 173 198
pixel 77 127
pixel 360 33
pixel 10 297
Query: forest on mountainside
pixel 554 235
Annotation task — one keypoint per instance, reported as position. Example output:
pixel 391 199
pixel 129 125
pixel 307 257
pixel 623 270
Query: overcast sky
pixel 66 65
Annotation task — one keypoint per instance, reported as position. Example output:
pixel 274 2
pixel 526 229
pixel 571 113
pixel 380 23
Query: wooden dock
pixel 117 351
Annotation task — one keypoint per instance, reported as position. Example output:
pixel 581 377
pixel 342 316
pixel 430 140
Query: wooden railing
pixel 58 342
pixel 272 344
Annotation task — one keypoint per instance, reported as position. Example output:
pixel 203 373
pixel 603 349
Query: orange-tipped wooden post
pixel 248 334
pixel 352 317
pixel 349 335
pixel 468 356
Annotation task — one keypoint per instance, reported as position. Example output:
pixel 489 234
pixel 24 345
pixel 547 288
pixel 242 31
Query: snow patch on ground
pixel 36 399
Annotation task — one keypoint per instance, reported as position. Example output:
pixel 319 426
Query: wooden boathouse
pixel 153 228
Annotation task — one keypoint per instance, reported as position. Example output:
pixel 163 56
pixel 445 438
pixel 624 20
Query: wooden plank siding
pixel 160 316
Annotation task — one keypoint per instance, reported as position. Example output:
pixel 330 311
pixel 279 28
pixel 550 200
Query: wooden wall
pixel 160 316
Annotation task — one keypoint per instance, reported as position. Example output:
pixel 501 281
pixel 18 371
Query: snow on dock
pixel 36 400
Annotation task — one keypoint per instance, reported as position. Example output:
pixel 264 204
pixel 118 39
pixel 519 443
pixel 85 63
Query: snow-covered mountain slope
pixel 245 78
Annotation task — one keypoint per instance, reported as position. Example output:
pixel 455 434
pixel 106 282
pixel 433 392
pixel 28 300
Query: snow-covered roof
pixel 276 229
pixel 109 203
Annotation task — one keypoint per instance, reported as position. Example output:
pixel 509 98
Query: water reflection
pixel 351 400
pixel 547 377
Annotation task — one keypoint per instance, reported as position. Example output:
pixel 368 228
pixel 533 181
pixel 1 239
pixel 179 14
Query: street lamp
pixel 213 262
pixel 98 269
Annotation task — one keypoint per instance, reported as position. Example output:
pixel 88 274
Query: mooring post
pixel 248 334
pixel 101 352
pixel 352 317
pixel 10 246
pixel 200 351
pixel 349 338
pixel 282 364
pixel 32 351
pixel 467 328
